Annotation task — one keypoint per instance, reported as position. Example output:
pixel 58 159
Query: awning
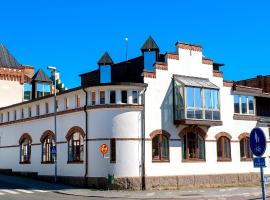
pixel 194 81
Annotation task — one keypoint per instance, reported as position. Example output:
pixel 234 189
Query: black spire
pixel 40 76
pixel 6 58
pixel 150 44
pixel 105 59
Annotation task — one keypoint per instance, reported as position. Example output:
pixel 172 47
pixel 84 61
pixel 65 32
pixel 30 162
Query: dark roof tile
pixel 7 59
pixel 150 44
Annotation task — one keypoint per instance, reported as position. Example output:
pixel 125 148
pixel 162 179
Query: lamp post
pixel 53 69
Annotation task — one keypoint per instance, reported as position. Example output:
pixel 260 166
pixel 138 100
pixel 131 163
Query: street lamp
pixel 53 69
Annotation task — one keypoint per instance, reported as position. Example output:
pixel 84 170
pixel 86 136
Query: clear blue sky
pixel 73 35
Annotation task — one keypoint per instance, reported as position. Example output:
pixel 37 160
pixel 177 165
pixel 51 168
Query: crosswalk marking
pixel 1 193
pixel 9 191
pixel 25 191
pixel 42 191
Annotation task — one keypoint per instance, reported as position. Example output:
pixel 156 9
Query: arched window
pixel 223 149
pixel 193 144
pixel 245 152
pixel 48 143
pixel 25 148
pixel 75 138
pixel 160 145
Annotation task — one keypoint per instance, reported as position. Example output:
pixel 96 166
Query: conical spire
pixel 7 59
pixel 150 44
pixel 105 59
pixel 40 76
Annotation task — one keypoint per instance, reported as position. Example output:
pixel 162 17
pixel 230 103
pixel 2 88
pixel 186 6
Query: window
pixel 135 97
pixel 194 103
pixel 223 149
pixel 245 152
pixel 124 96
pixel 66 103
pixel 47 108
pixel 244 105
pixel 78 101
pixel 22 114
pixel 15 115
pixel 75 148
pixel 8 116
pixel 37 110
pixel 160 148
pixel 43 89
pixel 149 60
pixel 1 118
pixel 105 73
pixel 29 112
pixel 112 96
pixel 193 146
pixel 27 89
pixel 47 145
pixel 93 98
pixel 102 97
pixel 113 150
pixel 25 150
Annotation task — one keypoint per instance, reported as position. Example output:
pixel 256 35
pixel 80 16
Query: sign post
pixel 257 143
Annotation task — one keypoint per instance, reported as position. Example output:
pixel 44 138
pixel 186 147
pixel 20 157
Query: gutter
pixel 86 138
pixel 143 142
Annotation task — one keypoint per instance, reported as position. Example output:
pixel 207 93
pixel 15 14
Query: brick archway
pixel 159 132
pixel 46 134
pixel 243 135
pixel 196 129
pixel 75 129
pixel 25 136
pixel 224 134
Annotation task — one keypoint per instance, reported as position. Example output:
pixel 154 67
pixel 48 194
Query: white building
pixel 169 120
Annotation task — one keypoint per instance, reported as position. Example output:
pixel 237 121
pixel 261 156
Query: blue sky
pixel 73 35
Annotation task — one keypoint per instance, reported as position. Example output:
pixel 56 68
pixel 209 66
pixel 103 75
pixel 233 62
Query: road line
pixel 9 191
pixel 25 191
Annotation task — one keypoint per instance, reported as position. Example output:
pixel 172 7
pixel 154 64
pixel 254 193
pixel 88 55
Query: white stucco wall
pixel 11 92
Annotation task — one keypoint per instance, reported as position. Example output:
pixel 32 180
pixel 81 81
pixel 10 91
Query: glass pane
pixel 208 114
pixel 105 73
pixel 155 150
pixel 216 115
pixel 244 104
pixel 134 97
pixel 215 99
pixel 165 148
pixel 198 114
pixel 124 96
pixel 112 97
pixel 149 60
pixel 251 105
pixel 190 97
pixel 102 97
pixel 201 147
pixel 236 104
pixel 207 96
pixel 190 113
pixel 242 149
pixel 27 91
pixel 249 153
pixel 198 97
pixel 219 149
pixel 227 151
pixel 184 147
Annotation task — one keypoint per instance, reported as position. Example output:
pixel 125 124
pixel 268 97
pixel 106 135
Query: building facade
pixel 170 121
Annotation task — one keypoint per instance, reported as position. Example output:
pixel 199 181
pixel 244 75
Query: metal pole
pixel 55 129
pixel 263 184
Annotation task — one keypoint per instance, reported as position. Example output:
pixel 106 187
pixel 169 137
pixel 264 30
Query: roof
pixel 40 76
pixel 7 59
pixel 150 44
pixel 195 82
pixel 105 59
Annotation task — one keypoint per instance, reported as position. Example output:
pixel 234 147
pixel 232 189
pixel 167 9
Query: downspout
pixel 143 142
pixel 86 138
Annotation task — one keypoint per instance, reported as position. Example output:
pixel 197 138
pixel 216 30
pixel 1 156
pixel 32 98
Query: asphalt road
pixel 13 188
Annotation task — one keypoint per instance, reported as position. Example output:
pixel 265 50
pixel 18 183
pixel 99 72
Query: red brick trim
pixel 193 129
pixel 159 132
pixel 46 134
pixel 227 83
pixel 217 73
pixel 11 74
pixel 161 66
pixel 207 61
pixel 25 136
pixel 224 134
pixel 171 55
pixel 188 46
pixel 243 135
pixel 149 74
pixel 75 129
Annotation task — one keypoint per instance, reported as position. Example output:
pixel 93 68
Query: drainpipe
pixel 86 138
pixel 143 142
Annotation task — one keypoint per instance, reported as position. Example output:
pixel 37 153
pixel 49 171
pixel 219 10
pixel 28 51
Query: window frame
pixel 239 97
pixel 112 150
pixel 25 137
pixel 102 98
pixel 47 146
pixel 223 158
pixel 75 144
pixel 248 157
pixel 160 158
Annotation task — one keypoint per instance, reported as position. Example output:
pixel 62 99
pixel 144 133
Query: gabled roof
pixel 40 76
pixel 7 59
pixel 105 59
pixel 149 44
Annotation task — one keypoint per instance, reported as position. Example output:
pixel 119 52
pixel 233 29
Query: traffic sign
pixel 259 162
pixel 53 149
pixel 104 149
pixel 257 142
